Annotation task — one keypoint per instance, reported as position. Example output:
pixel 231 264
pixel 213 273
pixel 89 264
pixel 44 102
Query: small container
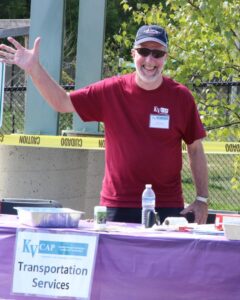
pixel 49 217
pixel 100 217
pixel 232 231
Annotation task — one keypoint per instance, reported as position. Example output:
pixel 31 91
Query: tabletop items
pixel 53 217
pixel 100 217
pixel 230 224
pixel 49 217
pixel 232 231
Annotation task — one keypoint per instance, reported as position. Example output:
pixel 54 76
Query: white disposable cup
pixel 100 217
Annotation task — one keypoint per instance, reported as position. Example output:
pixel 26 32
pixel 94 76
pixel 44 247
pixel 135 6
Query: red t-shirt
pixel 143 136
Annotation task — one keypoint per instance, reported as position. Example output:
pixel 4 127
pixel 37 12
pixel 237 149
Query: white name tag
pixel 159 121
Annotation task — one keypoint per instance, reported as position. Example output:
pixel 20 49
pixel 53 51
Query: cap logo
pixel 151 31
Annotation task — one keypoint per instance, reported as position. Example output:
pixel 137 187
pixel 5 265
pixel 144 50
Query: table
pixel 147 265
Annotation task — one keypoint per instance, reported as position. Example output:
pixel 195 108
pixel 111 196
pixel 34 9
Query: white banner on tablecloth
pixel 2 84
pixel 54 264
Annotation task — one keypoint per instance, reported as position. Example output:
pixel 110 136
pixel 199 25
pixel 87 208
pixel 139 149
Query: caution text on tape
pixel 96 143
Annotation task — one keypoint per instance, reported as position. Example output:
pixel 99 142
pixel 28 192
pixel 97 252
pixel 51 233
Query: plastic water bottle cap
pixel 148 185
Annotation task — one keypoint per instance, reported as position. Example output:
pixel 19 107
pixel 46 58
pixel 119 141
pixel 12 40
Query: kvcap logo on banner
pixel 55 248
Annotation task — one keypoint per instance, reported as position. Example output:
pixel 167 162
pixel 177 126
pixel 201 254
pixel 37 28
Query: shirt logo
pixel 160 110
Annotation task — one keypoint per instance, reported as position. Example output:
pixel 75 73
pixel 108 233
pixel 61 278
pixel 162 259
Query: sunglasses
pixel 146 52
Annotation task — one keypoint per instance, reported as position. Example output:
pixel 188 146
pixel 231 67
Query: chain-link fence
pixel 222 195
pixel 221 167
pixel 218 104
pixel 14 110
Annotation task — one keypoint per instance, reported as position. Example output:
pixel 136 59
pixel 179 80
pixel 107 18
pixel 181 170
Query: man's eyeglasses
pixel 146 52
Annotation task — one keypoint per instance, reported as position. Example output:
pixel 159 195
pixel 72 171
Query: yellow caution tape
pixel 219 147
pixel 65 142
pixel 96 143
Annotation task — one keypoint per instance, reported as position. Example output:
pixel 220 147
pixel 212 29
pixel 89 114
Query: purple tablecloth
pixel 171 266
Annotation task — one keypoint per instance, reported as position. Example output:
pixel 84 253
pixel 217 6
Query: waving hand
pixel 26 59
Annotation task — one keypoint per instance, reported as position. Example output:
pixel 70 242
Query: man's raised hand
pixel 26 59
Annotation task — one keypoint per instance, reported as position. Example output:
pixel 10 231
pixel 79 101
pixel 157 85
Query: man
pixel 146 117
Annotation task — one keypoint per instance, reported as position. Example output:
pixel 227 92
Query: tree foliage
pixel 15 9
pixel 204 47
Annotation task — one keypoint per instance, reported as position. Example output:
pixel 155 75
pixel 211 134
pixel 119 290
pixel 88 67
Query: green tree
pixel 15 9
pixel 204 47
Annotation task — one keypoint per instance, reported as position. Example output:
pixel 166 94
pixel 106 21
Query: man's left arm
pixel 198 164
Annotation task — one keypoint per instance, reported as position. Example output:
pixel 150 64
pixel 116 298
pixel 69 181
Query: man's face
pixel 149 68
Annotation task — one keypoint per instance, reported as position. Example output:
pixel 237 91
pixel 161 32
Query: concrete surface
pixel 72 177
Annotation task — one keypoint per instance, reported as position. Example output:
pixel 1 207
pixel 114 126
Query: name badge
pixel 159 121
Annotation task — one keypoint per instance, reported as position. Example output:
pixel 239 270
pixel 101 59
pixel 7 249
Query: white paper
pixel 159 121
pixel 54 264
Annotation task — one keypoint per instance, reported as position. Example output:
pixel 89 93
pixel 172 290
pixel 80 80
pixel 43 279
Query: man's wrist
pixel 202 199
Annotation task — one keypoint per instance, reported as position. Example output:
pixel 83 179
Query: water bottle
pixel 148 203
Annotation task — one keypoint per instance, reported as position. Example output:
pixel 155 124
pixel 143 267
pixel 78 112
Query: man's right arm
pixel 51 91
pixel 28 60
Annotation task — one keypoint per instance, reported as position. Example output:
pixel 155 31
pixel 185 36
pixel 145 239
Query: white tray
pixel 49 216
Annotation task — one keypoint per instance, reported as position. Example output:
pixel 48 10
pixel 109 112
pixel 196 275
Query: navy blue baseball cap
pixel 151 33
